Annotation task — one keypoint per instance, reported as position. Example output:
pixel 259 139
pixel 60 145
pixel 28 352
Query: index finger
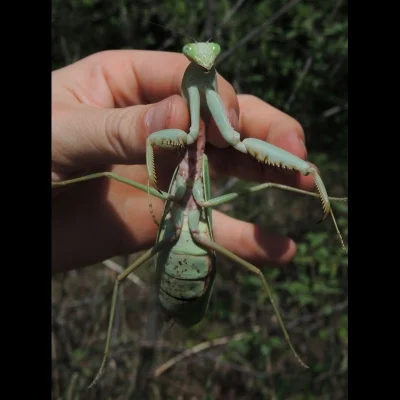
pixel 130 77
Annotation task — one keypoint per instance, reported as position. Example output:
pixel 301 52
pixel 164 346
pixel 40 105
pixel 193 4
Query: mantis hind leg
pixel 193 220
pixel 207 243
pixel 145 257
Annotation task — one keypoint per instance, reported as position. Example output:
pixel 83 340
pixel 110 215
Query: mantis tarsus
pixel 185 249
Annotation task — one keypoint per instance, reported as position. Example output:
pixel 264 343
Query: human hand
pixel 103 109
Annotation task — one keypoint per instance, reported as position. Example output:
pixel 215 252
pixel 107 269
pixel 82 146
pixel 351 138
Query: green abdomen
pixel 185 273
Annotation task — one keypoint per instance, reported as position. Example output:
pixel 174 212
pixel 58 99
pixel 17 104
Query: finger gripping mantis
pixel 185 250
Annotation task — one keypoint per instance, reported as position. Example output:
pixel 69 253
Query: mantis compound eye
pixel 216 48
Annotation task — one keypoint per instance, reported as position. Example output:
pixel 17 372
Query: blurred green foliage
pixel 298 63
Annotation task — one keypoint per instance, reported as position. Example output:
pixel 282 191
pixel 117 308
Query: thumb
pixel 85 136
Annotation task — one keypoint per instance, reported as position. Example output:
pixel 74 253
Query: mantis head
pixel 203 54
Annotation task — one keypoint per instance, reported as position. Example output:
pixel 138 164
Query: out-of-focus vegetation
pixel 298 63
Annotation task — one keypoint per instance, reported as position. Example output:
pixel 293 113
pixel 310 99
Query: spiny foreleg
pixel 165 139
pixel 174 138
pixel 269 154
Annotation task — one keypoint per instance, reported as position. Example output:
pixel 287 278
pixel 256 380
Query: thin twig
pixel 209 24
pixel 230 13
pixel 54 360
pixel 228 185
pixel 72 384
pixel 299 82
pixel 319 314
pixel 132 277
pixel 152 331
pixel 65 51
pixel 257 30
pixel 333 110
pixel 196 349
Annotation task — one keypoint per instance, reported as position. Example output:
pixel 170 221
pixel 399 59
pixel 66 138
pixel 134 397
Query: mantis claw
pixel 268 154
pixel 167 139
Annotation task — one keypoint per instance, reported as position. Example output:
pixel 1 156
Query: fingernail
pixel 55 177
pixel 303 145
pixel 233 118
pixel 156 117
pixel 295 139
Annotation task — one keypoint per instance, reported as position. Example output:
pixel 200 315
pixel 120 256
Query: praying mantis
pixel 185 249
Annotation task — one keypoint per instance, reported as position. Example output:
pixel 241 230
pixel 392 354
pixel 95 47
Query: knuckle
pixel 118 123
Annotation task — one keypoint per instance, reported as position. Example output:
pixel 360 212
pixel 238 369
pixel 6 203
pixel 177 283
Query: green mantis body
pixel 185 250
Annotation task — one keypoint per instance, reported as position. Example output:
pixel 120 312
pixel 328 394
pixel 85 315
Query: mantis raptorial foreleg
pixel 267 153
pixel 167 139
pixel 194 108
pixel 175 138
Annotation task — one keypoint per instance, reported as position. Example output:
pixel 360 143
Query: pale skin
pixel 103 109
